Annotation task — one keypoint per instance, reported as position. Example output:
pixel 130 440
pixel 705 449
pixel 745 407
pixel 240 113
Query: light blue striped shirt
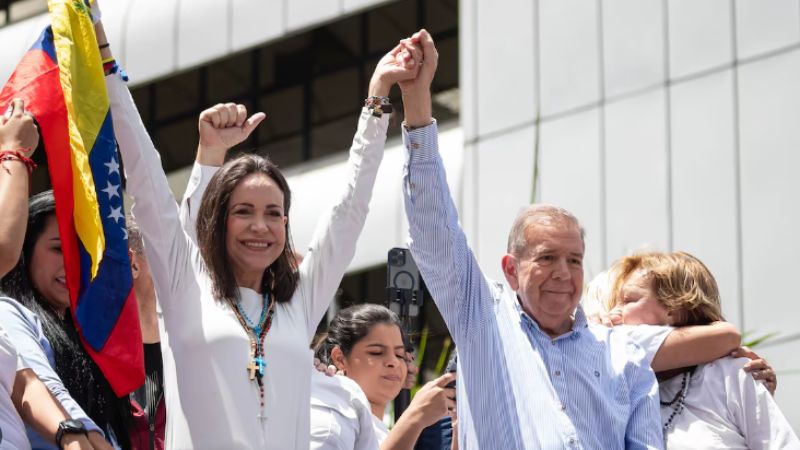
pixel 590 388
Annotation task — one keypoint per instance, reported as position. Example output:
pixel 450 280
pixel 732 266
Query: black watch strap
pixel 69 427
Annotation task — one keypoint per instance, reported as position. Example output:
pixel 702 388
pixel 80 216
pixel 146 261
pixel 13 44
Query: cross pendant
pixel 252 367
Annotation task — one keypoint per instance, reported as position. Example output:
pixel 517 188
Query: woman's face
pixel 377 363
pixel 256 226
pixel 46 267
pixel 639 304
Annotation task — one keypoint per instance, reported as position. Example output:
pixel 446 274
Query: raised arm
pixel 221 127
pixel 18 140
pixel 438 243
pixel 169 251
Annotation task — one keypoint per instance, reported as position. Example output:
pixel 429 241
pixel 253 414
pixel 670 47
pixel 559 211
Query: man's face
pixel 548 276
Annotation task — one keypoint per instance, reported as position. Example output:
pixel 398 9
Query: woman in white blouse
pixel 365 344
pixel 239 313
pixel 710 406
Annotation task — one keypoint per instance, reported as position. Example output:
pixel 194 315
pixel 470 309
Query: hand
pixel 430 61
pixel 76 442
pixel 17 130
pixel 434 400
pixel 758 367
pixel 221 127
pixel 609 319
pixel 98 441
pixel 413 370
pixel 401 63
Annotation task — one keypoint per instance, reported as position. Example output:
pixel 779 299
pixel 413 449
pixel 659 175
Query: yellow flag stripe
pixel 87 105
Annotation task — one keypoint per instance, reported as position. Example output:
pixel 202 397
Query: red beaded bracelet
pixel 18 155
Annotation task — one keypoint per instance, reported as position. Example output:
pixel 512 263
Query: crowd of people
pixel 229 311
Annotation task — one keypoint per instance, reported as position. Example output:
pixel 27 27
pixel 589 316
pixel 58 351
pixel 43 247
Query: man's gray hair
pixel 135 243
pixel 540 214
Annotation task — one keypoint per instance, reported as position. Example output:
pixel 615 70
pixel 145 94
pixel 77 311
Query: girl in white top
pixel 365 343
pixel 710 406
pixel 239 313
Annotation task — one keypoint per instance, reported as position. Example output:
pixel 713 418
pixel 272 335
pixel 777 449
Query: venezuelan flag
pixel 62 82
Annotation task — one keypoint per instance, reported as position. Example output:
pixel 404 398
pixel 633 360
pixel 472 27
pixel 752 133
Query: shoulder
pixel 726 368
pixel 337 393
pixel 14 313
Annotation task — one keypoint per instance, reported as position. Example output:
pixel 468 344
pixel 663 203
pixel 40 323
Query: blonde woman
pixel 715 405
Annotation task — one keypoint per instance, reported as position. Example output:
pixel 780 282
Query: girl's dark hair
pixel 79 373
pixel 350 325
pixel 280 277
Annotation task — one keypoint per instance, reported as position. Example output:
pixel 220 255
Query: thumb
pixel 253 122
pixel 445 379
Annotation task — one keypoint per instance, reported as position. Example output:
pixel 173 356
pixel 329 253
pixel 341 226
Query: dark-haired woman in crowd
pixel 365 343
pixel 239 312
pixel 715 405
pixel 34 312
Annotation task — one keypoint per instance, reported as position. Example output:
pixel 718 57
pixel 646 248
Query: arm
pixel 693 345
pixel 169 251
pixel 17 133
pixel 41 411
pixel 26 333
pixel 432 402
pixel 333 245
pixel 438 243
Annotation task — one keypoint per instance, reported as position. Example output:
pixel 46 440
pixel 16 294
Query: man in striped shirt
pixel 536 374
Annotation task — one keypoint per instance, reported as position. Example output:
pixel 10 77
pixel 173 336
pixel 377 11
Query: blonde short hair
pixel 680 282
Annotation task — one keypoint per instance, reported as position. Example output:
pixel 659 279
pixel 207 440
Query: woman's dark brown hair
pixel 280 278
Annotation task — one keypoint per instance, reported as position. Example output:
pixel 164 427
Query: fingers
pixel 252 122
pixel 225 115
pixel 17 108
pixel 445 379
pixel 745 352
pixel 428 48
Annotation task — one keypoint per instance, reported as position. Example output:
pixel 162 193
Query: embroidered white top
pixel 211 402
pixel 341 418
pixel 13 430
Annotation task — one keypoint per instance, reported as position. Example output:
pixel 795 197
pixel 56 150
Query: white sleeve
pixel 198 182
pixel 649 337
pixel 169 251
pixel 755 412
pixel 334 242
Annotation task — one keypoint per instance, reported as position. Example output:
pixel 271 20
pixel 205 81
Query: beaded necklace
pixel 677 404
pixel 256 333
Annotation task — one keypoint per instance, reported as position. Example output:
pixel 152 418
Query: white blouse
pixel 341 418
pixel 725 408
pixel 211 402
pixel 11 425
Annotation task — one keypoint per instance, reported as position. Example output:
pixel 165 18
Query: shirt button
pixel 572 440
pixel 558 373
pixel 553 342
pixel 563 407
pixel 597 374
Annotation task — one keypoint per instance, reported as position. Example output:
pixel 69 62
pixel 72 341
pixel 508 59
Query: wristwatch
pixel 69 427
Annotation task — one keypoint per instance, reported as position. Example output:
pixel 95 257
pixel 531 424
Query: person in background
pixel 147 403
pixel 34 310
pixel 365 343
pixel 715 405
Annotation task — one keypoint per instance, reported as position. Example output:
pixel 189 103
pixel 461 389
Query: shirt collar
pixel 580 323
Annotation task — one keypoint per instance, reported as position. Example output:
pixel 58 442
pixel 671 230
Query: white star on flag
pixel 124 233
pixel 113 166
pixel 111 189
pixel 116 214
